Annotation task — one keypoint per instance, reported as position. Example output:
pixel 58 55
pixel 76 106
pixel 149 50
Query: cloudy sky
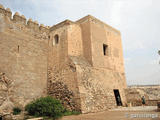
pixel 138 21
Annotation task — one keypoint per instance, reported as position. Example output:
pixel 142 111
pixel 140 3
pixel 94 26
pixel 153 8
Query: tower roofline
pixel 65 22
pixel 92 18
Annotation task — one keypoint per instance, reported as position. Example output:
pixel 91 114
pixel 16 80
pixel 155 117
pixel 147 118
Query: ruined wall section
pixel 24 47
pixel 62 79
pixel 134 95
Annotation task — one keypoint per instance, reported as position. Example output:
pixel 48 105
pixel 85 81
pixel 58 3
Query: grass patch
pixel 67 113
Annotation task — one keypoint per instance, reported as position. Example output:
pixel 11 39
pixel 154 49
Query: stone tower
pixel 86 56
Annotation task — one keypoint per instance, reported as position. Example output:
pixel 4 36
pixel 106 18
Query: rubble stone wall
pixel 95 86
pixel 6 89
pixel 62 79
pixel 135 93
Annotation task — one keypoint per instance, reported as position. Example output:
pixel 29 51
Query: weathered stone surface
pixel 135 93
pixel 60 91
pixel 81 66
pixel 6 105
pixel 23 59
pixel 7 117
pixel 96 94
pixel 158 105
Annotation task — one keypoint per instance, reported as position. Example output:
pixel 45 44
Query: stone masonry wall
pixel 113 59
pixel 92 85
pixel 6 90
pixel 72 69
pixel 23 52
pixel 99 74
pixel 95 91
pixel 135 93
pixel 62 79
pixel 63 86
pixel 86 39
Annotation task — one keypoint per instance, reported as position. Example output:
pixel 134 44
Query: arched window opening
pixel 56 39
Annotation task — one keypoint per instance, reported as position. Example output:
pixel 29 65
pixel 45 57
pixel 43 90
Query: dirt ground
pixel 119 114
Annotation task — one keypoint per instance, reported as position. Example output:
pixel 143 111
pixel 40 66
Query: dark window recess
pixel 56 38
pixel 105 49
pixel 18 48
pixel 72 68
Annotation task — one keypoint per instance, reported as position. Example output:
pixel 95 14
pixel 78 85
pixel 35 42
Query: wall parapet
pixel 18 18
pixel 66 22
pixel 97 21
pixel 21 19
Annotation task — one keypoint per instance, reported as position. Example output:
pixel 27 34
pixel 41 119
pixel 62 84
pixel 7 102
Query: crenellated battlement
pixel 21 19
pixel 2 10
pixel 33 24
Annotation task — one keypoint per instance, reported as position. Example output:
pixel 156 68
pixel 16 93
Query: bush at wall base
pixel 45 106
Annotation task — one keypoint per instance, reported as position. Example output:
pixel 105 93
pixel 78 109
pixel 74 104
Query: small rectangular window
pixel 105 49
pixel 18 48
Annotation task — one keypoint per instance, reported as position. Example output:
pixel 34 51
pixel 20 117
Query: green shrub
pixel 16 111
pixel 67 113
pixel 46 106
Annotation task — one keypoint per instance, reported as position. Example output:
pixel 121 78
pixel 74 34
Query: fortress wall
pixel 114 57
pixel 23 58
pixel 113 60
pixel 116 60
pixel 73 69
pixel 98 38
pixel 96 86
pixel 86 40
pixel 74 40
pixel 20 19
pixel 62 79
pixel 96 83
pixel 134 95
